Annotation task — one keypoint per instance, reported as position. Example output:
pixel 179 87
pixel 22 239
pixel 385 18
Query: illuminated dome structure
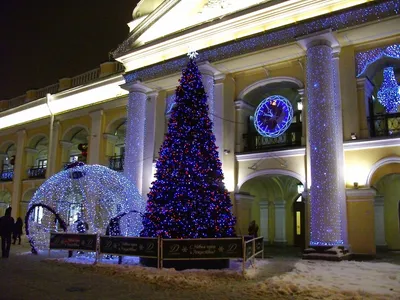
pixel 83 199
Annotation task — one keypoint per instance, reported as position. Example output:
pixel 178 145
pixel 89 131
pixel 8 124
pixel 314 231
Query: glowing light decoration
pixel 366 58
pixel 84 198
pixel 273 116
pixel 188 198
pixel 325 141
pixel 388 94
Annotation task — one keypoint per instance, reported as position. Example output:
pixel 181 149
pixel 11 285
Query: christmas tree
pixel 188 199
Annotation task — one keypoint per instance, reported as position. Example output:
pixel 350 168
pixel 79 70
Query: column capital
pixel 366 194
pixel 379 200
pixel 66 144
pixel 208 69
pixel 264 204
pixel 364 83
pixel 136 86
pixel 243 105
pixel 21 133
pixel 324 37
pixel 31 150
pixel 279 203
pixel 96 114
pixel 109 137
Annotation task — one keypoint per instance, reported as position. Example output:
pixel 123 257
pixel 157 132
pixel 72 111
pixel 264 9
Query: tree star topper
pixel 192 54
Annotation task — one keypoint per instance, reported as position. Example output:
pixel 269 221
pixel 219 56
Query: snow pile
pixel 352 276
pixel 308 279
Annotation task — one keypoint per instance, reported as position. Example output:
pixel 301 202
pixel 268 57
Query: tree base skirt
pixel 187 264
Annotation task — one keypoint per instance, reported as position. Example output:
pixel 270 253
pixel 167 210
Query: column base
pixel 335 253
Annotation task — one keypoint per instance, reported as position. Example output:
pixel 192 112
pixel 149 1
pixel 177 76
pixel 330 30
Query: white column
pixel 52 152
pixel 65 151
pixel 243 111
pixel 213 85
pixel 328 201
pixel 19 167
pixel 135 132
pixel 264 211
pixel 96 131
pixel 149 141
pixel 280 221
pixel 380 239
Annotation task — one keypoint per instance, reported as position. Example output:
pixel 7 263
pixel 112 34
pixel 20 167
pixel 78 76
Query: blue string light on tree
pixel 273 116
pixel 388 94
pixel 188 199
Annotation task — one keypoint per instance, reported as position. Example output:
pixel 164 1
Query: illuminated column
pixel 380 239
pixel 213 85
pixel 149 141
pixel 244 203
pixel 19 168
pixel 325 141
pixel 264 211
pixel 135 132
pixel 53 147
pixel 243 111
pixel 280 222
pixel 95 142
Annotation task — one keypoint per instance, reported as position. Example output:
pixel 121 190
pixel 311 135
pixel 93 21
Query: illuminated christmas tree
pixel 188 199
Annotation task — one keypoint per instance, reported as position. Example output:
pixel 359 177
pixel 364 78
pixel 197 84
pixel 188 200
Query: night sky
pixel 43 41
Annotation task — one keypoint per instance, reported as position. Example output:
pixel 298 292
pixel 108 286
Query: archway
pixel 36 156
pixel 287 89
pixel 75 144
pixel 8 150
pixel 275 207
pixel 5 201
pixel 116 144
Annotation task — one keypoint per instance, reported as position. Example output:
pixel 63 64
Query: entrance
pixel 299 222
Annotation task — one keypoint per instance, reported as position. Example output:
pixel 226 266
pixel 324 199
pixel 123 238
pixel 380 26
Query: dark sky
pixel 42 41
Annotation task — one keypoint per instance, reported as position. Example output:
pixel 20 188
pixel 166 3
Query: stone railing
pixel 85 77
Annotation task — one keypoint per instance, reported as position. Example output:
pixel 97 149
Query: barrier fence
pixel 244 247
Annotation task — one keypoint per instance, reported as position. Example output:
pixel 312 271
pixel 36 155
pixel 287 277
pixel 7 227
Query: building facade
pixel 303 95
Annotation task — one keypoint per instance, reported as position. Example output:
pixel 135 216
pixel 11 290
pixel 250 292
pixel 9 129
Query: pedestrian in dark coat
pixel 17 231
pixel 6 229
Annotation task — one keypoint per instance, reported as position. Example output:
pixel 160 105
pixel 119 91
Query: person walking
pixel 17 232
pixel 6 229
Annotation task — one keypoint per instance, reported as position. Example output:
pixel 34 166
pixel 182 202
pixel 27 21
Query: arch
pixel 385 161
pixel 26 194
pixel 268 81
pixel 270 172
pixel 115 124
pixel 35 140
pixel 71 132
pixel 6 145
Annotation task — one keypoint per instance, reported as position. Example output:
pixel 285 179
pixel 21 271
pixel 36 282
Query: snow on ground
pixel 306 280
pixel 352 276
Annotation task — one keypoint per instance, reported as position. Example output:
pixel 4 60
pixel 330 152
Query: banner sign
pixel 71 241
pixel 249 250
pixel 259 244
pixel 202 248
pixel 129 246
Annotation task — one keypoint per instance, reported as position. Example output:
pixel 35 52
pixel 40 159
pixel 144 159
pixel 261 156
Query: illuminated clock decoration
pixel 273 116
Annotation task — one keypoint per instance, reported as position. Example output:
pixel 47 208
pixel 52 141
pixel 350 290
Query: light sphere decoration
pixel 83 199
pixel 273 116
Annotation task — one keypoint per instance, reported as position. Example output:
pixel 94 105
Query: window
pixel 38 214
pixel 42 163
pixel 73 158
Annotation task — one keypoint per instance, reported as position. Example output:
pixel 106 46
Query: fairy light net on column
pixel 88 195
